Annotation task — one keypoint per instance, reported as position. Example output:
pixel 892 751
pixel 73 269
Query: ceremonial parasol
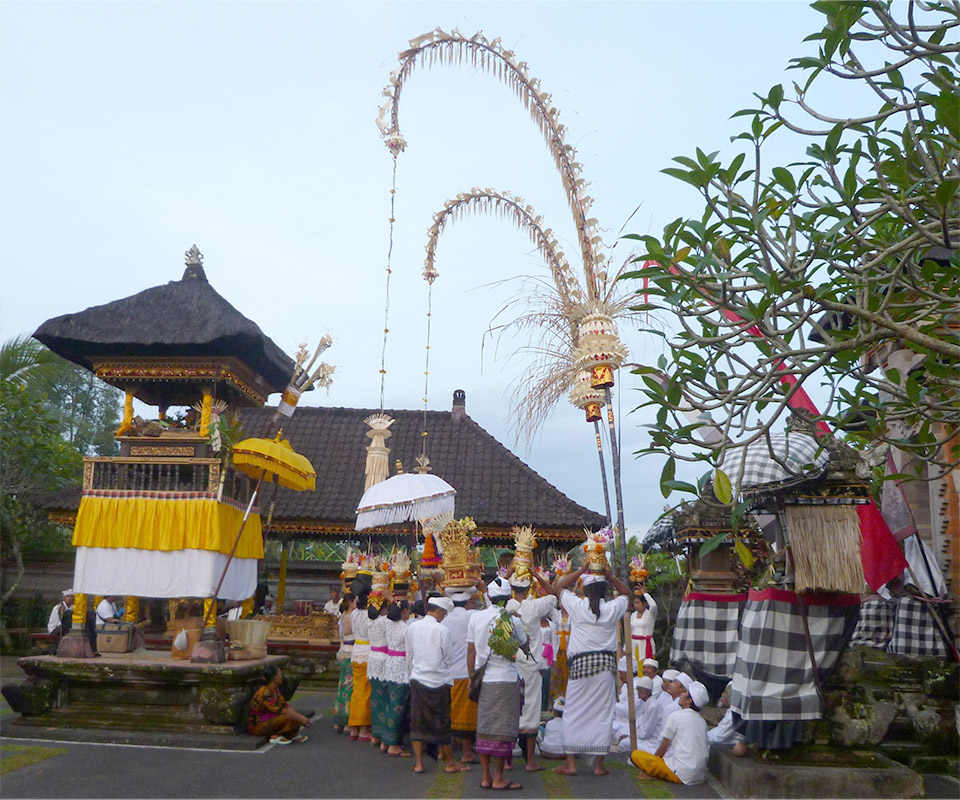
pixel 271 461
pixel 403 498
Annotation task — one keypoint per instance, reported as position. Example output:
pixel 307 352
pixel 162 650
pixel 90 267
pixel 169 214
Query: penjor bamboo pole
pixel 603 471
pixel 623 569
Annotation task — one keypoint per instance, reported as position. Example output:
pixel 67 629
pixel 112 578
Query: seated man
pixel 649 719
pixel 107 614
pixel 683 751
pixel 550 739
pixel 61 615
pixel 725 732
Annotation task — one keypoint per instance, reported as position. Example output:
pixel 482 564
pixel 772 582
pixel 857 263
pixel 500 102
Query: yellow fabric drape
pixel 149 524
pixel 131 608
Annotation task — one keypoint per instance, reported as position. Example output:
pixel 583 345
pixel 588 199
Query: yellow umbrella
pixel 273 461
pixel 276 462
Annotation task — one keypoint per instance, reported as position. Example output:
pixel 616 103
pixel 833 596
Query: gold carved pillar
pixel 282 580
pixel 131 609
pixel 205 412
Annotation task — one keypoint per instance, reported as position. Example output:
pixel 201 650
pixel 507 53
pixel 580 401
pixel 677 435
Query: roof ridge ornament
pixel 194 262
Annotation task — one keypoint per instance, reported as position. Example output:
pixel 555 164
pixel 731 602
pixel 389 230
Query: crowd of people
pixel 465 676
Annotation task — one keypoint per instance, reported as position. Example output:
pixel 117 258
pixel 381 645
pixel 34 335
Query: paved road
pixel 327 765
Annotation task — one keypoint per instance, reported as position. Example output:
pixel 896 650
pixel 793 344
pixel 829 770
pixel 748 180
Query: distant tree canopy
pixel 52 413
pixel 838 268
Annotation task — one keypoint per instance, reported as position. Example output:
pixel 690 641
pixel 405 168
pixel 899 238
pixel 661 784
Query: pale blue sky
pixel 132 130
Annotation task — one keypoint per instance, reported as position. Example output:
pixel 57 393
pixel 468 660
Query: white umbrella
pixel 404 498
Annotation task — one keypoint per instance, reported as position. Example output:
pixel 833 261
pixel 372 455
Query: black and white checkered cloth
pixel 773 676
pixel 914 631
pixel 794 450
pixel 706 633
pixel 875 624
pixel 586 665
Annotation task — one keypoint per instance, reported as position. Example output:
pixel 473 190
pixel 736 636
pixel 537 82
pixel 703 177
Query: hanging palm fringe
pixel 825 544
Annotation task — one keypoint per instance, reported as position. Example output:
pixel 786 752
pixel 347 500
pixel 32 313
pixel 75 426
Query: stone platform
pixel 814 772
pixel 124 695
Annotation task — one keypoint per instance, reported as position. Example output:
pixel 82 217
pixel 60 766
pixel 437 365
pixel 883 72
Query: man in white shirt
pixel 531 611
pixel 332 606
pixel 430 652
pixel 683 751
pixel 498 709
pixel 60 614
pixel 463 711
pixel 649 719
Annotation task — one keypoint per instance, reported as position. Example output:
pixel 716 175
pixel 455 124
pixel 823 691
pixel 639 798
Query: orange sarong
pixel 360 699
pixel 463 711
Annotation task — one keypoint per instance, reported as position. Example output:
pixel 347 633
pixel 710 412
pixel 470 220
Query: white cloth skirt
pixel 532 699
pixel 588 714
pixel 162 573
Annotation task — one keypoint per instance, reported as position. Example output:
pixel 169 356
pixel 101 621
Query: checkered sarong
pixel 875 624
pixel 594 662
pixel 705 632
pixel 914 631
pixel 773 676
pixel 794 450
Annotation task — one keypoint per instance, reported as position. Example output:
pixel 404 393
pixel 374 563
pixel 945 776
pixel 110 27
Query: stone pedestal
pixel 138 692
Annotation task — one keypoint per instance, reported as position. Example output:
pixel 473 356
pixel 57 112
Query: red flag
pixel 882 557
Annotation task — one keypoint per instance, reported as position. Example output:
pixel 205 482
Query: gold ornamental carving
pixel 146 451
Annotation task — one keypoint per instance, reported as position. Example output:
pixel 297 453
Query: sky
pixel 133 130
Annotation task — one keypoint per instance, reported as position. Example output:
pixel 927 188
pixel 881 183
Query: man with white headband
pixel 651 668
pixel 431 676
pixel 531 611
pixel 463 711
pixel 649 719
pixel 494 641
pixel 591 653
pixel 683 751
pixel 61 615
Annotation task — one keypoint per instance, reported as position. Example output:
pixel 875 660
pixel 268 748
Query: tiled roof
pixel 493 485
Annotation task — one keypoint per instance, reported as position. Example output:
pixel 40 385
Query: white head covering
pixel 699 694
pixel 558 704
pixel 644 683
pixel 65 592
pixel 685 680
pixel 466 591
pixel 651 662
pixel 498 587
pixel 444 603
pixel 458 597
pixel 670 675
pixel 520 583
pixel 588 577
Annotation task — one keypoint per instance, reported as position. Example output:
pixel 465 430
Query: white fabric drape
pixel 162 573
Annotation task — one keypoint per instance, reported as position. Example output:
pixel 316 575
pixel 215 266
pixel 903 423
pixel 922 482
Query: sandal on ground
pixel 280 740
pixel 300 737
pixel 507 787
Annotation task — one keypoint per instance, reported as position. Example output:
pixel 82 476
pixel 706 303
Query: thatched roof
pixel 493 485
pixel 184 319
